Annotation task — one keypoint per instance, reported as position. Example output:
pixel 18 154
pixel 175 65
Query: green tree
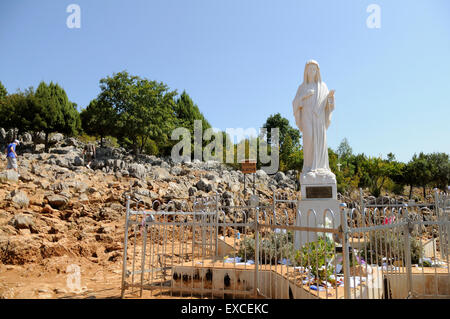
pixel 344 150
pixel 374 172
pixel 28 113
pixel 186 112
pixel 289 141
pixel 17 112
pixel 4 111
pixel 8 116
pixel 3 92
pixel 440 170
pixel 419 168
pixel 72 120
pixel 99 120
pixel 56 112
pixel 285 153
pixel 144 109
pixel 277 121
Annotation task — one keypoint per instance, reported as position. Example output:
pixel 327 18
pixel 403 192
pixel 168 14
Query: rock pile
pixel 58 207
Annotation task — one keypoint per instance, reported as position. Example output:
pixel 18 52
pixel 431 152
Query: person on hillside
pixel 11 156
pixel 90 154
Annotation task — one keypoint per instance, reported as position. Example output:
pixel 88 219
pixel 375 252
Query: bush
pixel 110 141
pixel 389 246
pixel 275 247
pixel 86 138
pixel 150 148
pixel 394 187
pixel 317 255
pixel 278 246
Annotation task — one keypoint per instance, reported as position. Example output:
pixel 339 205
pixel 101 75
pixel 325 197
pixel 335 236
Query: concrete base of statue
pixel 320 183
pixel 316 213
pixel 318 207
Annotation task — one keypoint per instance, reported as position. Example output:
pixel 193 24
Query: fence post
pixel 216 217
pixel 361 199
pixel 256 277
pixel 345 252
pixel 125 246
pixel 408 253
pixel 436 203
pixel 273 202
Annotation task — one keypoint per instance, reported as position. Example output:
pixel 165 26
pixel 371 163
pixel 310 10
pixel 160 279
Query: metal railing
pixel 251 252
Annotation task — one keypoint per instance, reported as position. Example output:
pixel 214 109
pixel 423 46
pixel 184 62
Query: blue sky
pixel 242 60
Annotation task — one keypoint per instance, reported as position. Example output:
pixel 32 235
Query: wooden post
pixel 248 167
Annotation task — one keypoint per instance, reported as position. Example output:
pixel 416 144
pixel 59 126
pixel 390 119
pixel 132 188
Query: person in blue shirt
pixel 11 155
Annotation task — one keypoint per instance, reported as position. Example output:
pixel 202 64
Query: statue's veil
pixel 305 74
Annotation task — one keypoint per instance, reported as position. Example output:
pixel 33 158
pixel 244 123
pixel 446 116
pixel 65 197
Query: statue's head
pixel 312 72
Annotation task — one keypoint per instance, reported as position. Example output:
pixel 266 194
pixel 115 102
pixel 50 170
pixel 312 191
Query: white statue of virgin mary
pixel 312 106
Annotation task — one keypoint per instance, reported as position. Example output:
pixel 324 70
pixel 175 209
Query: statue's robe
pixel 313 117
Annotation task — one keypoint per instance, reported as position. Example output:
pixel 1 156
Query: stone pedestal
pixel 318 207
pixel 318 184
pixel 316 213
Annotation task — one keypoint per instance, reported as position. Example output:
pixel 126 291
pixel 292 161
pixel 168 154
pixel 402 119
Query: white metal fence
pixel 214 251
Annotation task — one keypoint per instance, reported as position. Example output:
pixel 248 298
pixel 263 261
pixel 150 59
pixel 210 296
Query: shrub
pixel 273 248
pixel 390 246
pixel 317 255
pixel 86 138
pixel 151 148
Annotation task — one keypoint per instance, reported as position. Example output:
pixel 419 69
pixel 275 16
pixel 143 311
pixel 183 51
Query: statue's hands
pixel 331 97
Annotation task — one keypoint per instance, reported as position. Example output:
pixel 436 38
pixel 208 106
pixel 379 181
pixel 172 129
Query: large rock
pixel 234 187
pixel 176 170
pixel 40 138
pixel 26 138
pixel 71 141
pixel 26 177
pixel 279 176
pixel 137 170
pixel 165 165
pixel 261 174
pixel 18 250
pixel 20 198
pixel 192 190
pixel 57 201
pixel 161 173
pixel 9 176
pixel 78 161
pixel 59 187
pixel 62 150
pixel 227 195
pixel 142 191
pixel 2 135
pixel 179 191
pixel 55 138
pixel 212 177
pixel 22 221
pixel 204 185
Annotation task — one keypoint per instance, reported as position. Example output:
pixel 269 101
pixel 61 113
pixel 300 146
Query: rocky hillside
pixel 58 210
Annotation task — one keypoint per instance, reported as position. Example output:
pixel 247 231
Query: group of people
pixel 89 154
